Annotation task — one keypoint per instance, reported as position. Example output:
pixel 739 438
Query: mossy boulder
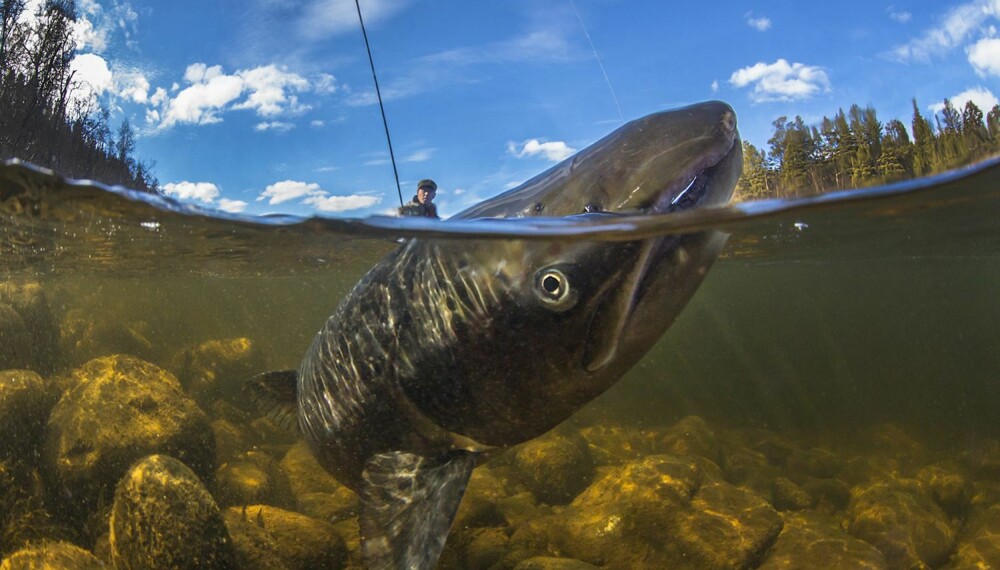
pixel 815 462
pixel 479 503
pixel 614 445
pixel 979 545
pixel 689 436
pixel 255 547
pixel 305 474
pixel 948 486
pixel 163 517
pixel 218 370
pixel 25 403
pixel 551 563
pixel 15 343
pixel 85 336
pixel 52 556
pixel 555 467
pixel 666 512
pixel 908 528
pixel 28 300
pixel 231 440
pixel 253 478
pixel 812 540
pixel 119 410
pixel 303 543
pixel 787 496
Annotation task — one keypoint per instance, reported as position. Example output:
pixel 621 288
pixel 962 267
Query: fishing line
pixel 599 62
pixel 381 107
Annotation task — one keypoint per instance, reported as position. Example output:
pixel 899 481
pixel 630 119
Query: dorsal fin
pixel 408 504
pixel 276 395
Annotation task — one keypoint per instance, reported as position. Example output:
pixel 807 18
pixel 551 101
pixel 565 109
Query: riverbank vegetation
pixel 856 149
pixel 46 114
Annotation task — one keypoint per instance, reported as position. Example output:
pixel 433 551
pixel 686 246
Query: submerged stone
pixel 253 478
pixel 163 517
pixel 86 336
pixel 555 467
pixel 947 486
pixel 305 474
pixel 908 528
pixel 614 445
pixel 29 301
pixel 303 543
pixel 15 342
pixel 255 547
pixel 52 556
pixel 218 369
pixel 120 410
pixel 979 545
pixel 690 436
pixel 787 496
pixel 550 563
pixel 25 402
pixel 815 462
pixel 811 540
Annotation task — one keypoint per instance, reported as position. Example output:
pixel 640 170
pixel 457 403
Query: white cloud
pixel 984 56
pixel 279 126
pixel 901 16
pixel 95 78
pixel 268 87
pixel 324 18
pixel 316 123
pixel 202 191
pixel 267 90
pixel 201 102
pixel 553 150
pixel 325 203
pixel 325 84
pixel 760 24
pixel 289 190
pixel 92 71
pixel 981 96
pixel 232 206
pixel 954 28
pixel 421 155
pixel 459 191
pixel 715 86
pixel 781 81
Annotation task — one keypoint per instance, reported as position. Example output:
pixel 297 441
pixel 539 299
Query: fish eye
pixel 552 287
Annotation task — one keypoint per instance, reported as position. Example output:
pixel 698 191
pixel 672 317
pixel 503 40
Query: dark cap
pixel 427 183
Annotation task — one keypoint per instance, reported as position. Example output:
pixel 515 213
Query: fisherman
pixel 422 203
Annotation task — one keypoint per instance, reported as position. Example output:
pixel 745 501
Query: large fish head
pixel 542 327
pixel 655 164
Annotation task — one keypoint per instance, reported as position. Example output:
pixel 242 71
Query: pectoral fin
pixel 408 504
pixel 275 393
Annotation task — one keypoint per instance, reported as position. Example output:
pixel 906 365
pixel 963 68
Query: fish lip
pixel 694 188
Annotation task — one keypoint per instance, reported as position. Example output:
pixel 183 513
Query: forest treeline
pixel 855 149
pixel 43 119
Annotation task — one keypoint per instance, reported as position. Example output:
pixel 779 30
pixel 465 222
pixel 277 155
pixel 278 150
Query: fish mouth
pixel 710 181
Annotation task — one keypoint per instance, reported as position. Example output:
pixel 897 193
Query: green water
pixel 821 323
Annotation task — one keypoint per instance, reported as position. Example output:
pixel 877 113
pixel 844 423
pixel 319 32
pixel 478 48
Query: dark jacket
pixel 415 208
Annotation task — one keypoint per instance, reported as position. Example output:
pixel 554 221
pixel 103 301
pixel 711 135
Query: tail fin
pixel 408 504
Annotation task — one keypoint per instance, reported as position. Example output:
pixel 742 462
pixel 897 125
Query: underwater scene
pixel 828 398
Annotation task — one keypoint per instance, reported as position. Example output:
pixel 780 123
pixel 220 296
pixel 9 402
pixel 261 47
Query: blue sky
pixel 266 106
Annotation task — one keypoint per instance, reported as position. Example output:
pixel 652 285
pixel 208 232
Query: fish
pixel 450 349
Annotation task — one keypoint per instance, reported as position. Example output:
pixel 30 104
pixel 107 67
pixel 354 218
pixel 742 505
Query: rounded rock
pixel 119 410
pixel 52 556
pixel 163 517
pixel 15 342
pixel 29 300
pixel 555 468
pixel 25 403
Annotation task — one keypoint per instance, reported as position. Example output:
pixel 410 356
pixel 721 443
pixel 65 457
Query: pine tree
pixel 923 143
